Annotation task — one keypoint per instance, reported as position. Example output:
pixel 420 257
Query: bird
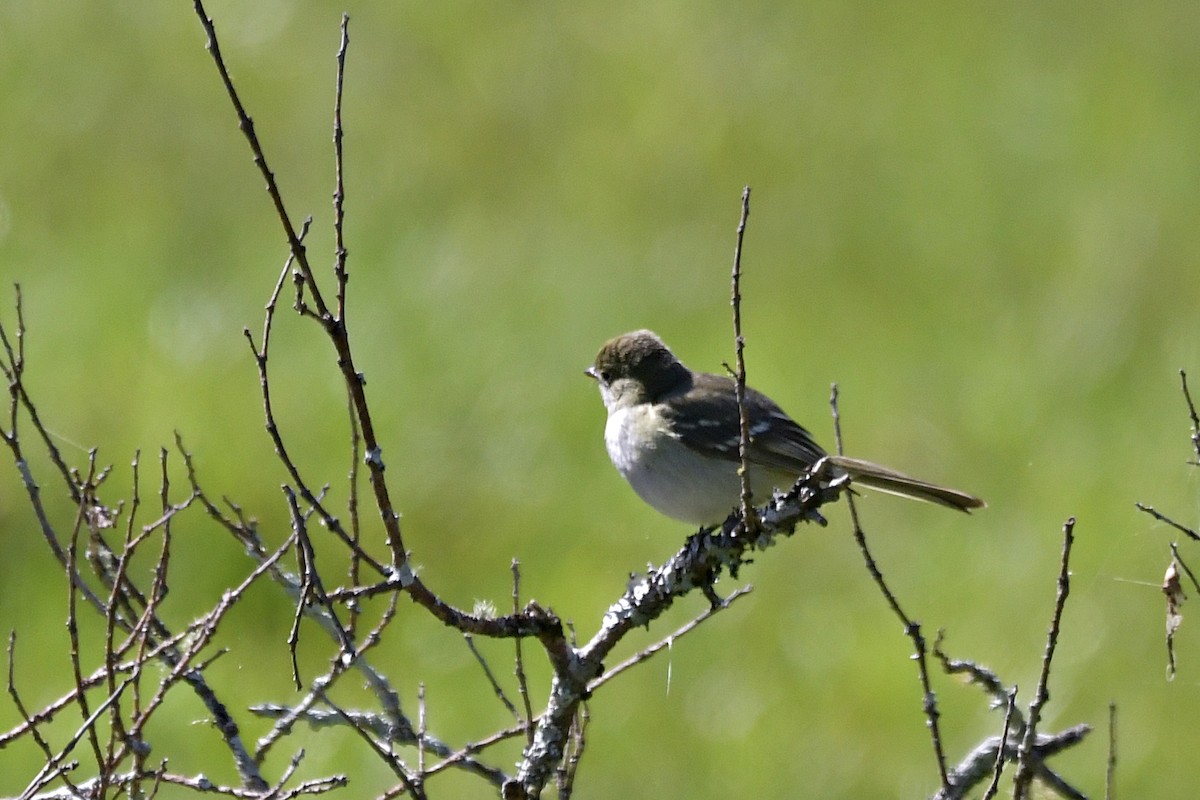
pixel 674 435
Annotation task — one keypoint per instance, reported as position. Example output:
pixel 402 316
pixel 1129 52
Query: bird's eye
pixel 604 375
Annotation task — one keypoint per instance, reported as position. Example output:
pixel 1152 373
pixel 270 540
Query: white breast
pixel 667 474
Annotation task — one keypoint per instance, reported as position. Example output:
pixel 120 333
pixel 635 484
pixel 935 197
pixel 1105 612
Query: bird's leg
pixel 713 598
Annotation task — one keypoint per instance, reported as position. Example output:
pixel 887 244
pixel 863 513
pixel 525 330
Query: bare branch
pixel 1041 694
pixel 333 325
pixel 339 193
pixel 912 628
pixel 1187 396
pixel 739 373
pixel 1186 531
pixel 1010 709
pixel 519 659
pixel 1110 771
pixel 491 677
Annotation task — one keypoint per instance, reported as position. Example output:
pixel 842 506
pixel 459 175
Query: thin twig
pixel 421 730
pixel 1187 395
pixel 73 609
pixel 912 628
pixel 411 783
pixel 1186 531
pixel 574 753
pixel 739 373
pixel 491 677
pixel 339 193
pixel 335 328
pixel 246 125
pixel 111 654
pixel 666 642
pixel 1010 709
pixel 518 658
pixel 50 768
pixel 261 355
pixel 354 567
pixel 14 371
pixel 1025 762
pixel 312 589
pixel 1110 771
pixel 1183 565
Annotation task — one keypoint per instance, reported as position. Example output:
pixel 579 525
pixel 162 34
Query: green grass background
pixel 979 220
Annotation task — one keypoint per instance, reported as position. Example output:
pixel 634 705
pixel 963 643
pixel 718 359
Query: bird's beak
pixel 591 373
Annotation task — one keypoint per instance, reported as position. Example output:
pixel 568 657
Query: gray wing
pixel 707 422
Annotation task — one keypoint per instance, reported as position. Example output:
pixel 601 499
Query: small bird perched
pixel 674 435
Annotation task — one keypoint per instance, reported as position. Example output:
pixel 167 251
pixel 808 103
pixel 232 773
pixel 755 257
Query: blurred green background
pixel 979 220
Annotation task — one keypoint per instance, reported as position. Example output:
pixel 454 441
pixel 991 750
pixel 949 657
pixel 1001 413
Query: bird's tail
pixel 870 474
